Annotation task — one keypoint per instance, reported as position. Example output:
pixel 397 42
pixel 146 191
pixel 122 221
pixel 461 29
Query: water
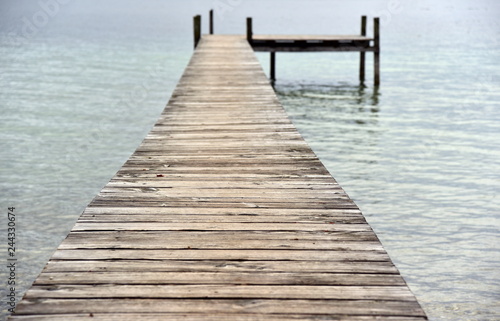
pixel 81 86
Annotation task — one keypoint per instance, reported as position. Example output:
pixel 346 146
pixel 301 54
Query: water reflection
pixel 340 122
pixel 426 186
pixel 358 94
pixel 331 104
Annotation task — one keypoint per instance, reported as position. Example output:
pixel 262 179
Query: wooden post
pixel 362 54
pixel 376 53
pixel 197 29
pixel 211 22
pixel 273 67
pixel 249 30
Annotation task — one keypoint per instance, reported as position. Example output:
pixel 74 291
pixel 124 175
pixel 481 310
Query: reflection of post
pixel 375 96
pixel 211 22
pixel 249 30
pixel 362 54
pixel 273 66
pixel 376 53
pixel 197 29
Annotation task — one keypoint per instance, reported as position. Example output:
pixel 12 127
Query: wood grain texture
pixel 207 317
pixel 211 306
pixel 302 43
pixel 276 37
pixel 222 213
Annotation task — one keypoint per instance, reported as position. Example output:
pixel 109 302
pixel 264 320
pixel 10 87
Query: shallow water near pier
pixel 420 155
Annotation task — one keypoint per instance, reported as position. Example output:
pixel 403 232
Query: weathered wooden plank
pixel 279 37
pixel 217 203
pixel 225 192
pixel 381 268
pixel 146 316
pixel 217 226
pixel 224 135
pixel 228 184
pixel 221 151
pixel 279 165
pixel 195 218
pixel 213 196
pixel 211 306
pixel 159 242
pixel 255 178
pixel 171 195
pixel 220 211
pixel 208 238
pixel 312 47
pixel 223 174
pixel 230 255
pixel 211 291
pixel 264 127
pixel 356 282
pixel 211 162
pixel 224 158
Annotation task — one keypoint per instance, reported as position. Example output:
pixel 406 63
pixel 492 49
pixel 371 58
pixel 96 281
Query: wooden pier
pixel 222 213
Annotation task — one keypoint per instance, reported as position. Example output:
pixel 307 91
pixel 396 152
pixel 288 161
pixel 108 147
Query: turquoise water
pixel 82 82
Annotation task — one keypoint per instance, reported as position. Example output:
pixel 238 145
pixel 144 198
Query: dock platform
pixel 311 43
pixel 222 213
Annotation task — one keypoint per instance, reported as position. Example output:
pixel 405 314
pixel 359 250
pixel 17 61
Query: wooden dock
pixel 314 43
pixel 222 213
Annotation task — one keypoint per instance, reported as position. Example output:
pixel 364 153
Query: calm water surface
pixel 420 155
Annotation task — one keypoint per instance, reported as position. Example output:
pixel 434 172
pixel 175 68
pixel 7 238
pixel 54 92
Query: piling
pixel 197 29
pixel 376 52
pixel 362 53
pixel 273 67
pixel 249 30
pixel 211 22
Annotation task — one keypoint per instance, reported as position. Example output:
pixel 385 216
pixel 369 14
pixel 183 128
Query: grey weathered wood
pixel 310 38
pixel 197 29
pixel 211 22
pixel 216 226
pixel 135 240
pixel 229 255
pixel 222 213
pixel 243 308
pixel 232 217
pixel 298 43
pixel 376 53
pixel 315 43
pixel 392 286
pixel 362 54
pixel 218 211
pixel 205 317
pixel 220 291
pixel 380 268
pixel 273 66
pixel 249 30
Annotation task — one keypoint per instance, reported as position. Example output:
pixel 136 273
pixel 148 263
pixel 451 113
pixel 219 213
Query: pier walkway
pixel 222 213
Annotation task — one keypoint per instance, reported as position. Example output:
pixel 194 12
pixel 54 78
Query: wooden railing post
pixel 362 54
pixel 376 53
pixel 197 29
pixel 211 22
pixel 249 30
